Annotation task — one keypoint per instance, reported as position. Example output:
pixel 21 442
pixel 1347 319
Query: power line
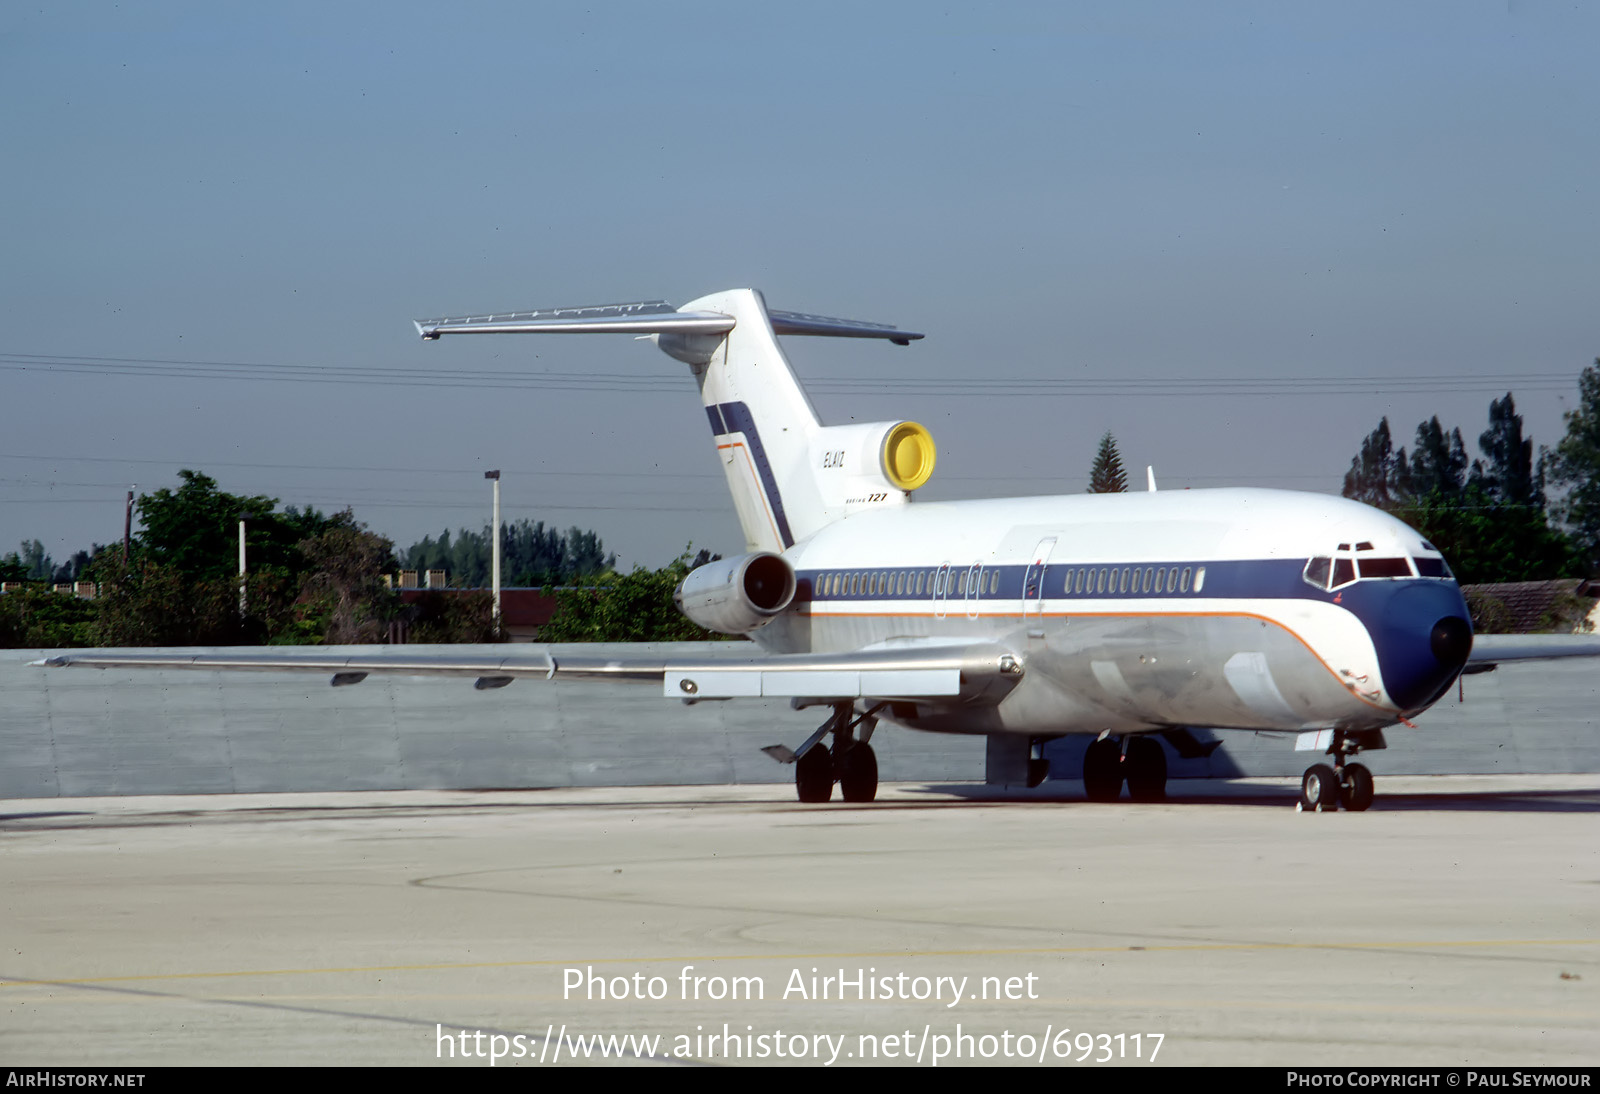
pixel 393 378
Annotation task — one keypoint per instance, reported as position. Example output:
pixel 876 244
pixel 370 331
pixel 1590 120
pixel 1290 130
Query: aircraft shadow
pixel 1484 801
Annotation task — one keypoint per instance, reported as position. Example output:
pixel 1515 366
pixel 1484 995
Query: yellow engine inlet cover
pixel 908 455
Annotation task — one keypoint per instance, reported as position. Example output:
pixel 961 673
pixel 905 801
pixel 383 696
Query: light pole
pixel 242 607
pixel 495 475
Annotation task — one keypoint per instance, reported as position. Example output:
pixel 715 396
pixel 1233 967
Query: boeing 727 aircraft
pixel 1126 617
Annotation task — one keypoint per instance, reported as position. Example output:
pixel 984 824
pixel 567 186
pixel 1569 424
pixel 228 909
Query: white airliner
pixel 1128 617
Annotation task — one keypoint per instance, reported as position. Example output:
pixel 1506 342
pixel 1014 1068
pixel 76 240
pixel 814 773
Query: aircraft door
pixel 941 591
pixel 1033 587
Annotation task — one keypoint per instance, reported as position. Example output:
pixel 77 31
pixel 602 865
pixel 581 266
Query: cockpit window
pixel 1344 572
pixel 1384 567
pixel 1316 573
pixel 1433 567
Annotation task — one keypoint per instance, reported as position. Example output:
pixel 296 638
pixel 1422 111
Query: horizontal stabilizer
pixel 646 317
pixel 650 317
pixel 790 322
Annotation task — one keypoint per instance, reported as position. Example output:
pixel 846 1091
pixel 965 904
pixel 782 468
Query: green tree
pixel 1575 465
pixel 1489 541
pixel 12 568
pixel 452 617
pixel 530 554
pixel 154 603
pixel 1106 475
pixel 634 607
pixel 195 529
pixel 1438 462
pixel 1378 473
pixel 37 617
pixel 1507 472
pixel 341 585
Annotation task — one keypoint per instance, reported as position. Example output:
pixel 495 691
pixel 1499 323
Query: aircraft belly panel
pixel 1232 665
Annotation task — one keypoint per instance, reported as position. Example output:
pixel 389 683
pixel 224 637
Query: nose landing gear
pixel 1324 788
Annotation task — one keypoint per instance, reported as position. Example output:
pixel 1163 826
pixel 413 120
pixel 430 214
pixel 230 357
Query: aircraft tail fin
pixel 789 474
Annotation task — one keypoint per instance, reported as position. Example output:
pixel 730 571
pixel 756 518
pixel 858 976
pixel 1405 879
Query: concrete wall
pixel 67 732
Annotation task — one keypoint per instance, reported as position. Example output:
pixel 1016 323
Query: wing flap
pixel 806 683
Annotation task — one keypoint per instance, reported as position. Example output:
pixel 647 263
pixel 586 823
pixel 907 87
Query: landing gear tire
pixel 1356 791
pixel 1146 767
pixel 1319 789
pixel 858 774
pixel 813 775
pixel 1102 771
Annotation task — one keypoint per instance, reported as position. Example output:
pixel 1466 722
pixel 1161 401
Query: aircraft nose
pixel 1423 643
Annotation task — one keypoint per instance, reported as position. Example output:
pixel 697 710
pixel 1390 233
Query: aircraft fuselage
pixel 1239 608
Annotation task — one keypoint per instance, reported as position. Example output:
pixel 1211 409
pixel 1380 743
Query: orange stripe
pixel 760 491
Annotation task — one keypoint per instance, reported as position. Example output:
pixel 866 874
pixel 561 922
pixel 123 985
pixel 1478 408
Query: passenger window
pixel 1077 582
pixel 1316 572
pixel 1344 572
pixel 1199 578
pixel 1172 579
pixel 961 584
pixel 1100 580
pixel 1124 586
pixel 1183 583
pixel 994 582
pixel 1149 576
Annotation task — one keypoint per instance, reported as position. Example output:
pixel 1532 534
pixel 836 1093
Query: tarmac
pixel 1456 923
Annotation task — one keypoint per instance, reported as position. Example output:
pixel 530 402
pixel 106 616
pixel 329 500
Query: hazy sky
pixel 1168 193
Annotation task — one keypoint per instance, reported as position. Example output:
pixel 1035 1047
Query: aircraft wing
pixel 1489 650
pixel 914 670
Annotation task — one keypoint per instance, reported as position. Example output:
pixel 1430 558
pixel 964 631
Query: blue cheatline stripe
pixel 1226 579
pixel 729 418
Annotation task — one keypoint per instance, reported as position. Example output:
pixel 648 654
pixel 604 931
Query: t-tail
pixel 789 474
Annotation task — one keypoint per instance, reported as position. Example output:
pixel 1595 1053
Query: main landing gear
pixel 1137 760
pixel 850 762
pixel 1324 788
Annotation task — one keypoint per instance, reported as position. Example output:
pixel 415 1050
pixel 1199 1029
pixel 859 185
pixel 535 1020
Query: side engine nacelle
pixel 737 595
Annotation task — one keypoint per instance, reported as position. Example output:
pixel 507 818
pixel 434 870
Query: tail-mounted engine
pixel 737 595
pixel 869 464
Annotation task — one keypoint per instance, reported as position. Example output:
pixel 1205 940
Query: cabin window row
pixel 1095 580
pixel 907 583
pixel 985 581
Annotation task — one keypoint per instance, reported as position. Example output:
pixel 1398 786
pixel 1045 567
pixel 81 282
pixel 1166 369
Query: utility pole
pixel 127 529
pixel 495 475
pixel 242 607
